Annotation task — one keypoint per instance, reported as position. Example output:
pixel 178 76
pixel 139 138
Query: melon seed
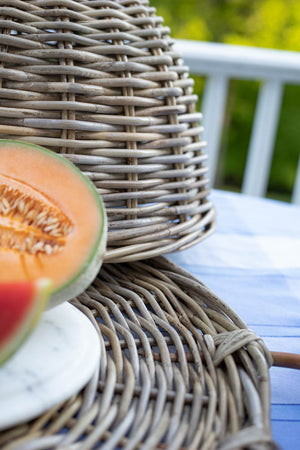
pixel 29 225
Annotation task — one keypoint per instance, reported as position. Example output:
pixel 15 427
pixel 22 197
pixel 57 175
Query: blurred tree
pixel 262 23
pixel 273 24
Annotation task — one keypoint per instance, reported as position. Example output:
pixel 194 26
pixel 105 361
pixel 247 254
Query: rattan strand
pixel 179 370
pixel 108 91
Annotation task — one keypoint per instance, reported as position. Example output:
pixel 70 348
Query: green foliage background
pixel 261 23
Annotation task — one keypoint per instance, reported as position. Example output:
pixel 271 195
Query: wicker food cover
pixel 99 82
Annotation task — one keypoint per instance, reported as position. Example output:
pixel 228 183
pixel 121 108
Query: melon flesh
pixel 21 305
pixel 52 220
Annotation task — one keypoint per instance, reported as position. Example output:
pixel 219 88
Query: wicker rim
pixel 179 369
pixel 99 82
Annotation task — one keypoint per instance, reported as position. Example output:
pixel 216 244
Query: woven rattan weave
pixel 99 81
pixel 179 370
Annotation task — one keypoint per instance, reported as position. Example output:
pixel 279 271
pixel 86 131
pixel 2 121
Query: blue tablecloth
pixel 252 262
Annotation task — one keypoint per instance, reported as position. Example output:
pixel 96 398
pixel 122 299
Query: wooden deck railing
pixel 274 68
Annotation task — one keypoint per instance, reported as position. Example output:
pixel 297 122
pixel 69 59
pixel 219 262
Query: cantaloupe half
pixel 52 221
pixel 21 306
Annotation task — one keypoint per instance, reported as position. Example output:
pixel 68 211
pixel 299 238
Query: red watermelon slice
pixel 21 305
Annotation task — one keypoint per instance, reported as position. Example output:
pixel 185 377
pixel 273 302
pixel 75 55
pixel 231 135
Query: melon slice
pixel 52 221
pixel 21 305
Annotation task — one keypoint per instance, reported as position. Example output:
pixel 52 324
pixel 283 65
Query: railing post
pixel 296 190
pixel 262 138
pixel 213 108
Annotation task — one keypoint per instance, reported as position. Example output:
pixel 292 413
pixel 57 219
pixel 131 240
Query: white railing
pixel 274 68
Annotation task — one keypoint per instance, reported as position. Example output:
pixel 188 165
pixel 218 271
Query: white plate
pixel 55 362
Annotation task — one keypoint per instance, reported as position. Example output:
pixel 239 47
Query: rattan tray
pixel 100 82
pixel 179 370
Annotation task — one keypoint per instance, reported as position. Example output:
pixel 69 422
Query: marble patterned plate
pixel 56 361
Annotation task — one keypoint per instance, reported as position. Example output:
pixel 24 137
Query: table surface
pixel 253 263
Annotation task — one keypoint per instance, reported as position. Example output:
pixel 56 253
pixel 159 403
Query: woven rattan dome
pixel 99 82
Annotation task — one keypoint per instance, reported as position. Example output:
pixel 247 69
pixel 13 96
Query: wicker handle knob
pixel 289 360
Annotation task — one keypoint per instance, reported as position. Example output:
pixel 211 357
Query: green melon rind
pixel 43 291
pixel 91 266
pixel 83 279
